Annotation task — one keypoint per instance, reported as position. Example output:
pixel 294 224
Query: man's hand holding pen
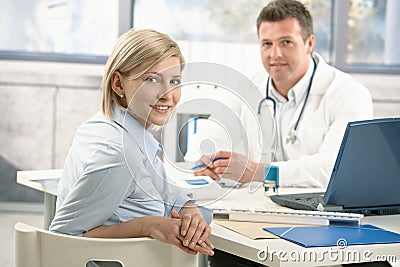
pixel 230 165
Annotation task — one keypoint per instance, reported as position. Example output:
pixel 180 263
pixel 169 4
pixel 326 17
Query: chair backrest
pixel 36 247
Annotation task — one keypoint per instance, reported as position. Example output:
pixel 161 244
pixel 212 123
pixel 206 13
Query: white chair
pixel 36 247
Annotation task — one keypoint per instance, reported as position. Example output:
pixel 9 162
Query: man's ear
pixel 310 44
pixel 116 83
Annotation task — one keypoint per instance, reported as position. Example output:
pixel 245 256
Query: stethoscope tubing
pixel 268 98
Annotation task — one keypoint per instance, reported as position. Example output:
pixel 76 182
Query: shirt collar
pixel 145 140
pixel 298 91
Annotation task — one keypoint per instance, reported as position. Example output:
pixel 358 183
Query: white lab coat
pixel 335 99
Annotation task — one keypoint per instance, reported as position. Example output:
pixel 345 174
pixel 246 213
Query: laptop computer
pixel 366 175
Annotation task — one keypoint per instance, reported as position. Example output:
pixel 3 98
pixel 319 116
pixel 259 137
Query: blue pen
pixel 203 164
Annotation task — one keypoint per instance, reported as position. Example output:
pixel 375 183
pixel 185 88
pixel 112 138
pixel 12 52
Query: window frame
pixel 125 11
pixel 338 47
pixel 340 29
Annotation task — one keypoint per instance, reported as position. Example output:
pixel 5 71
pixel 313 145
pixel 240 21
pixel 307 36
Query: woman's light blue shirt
pixel 113 174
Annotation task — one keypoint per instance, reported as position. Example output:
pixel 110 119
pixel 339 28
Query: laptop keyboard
pixel 312 201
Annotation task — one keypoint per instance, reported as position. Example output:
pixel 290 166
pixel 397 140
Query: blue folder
pixel 342 236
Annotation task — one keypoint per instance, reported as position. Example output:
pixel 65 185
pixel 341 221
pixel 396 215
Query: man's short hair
pixel 278 10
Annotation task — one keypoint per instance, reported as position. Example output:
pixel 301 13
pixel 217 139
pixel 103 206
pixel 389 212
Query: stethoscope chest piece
pixel 291 138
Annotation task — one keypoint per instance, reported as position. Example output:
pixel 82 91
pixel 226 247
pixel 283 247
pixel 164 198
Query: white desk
pixel 234 243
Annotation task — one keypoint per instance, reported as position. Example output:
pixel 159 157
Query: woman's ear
pixel 116 84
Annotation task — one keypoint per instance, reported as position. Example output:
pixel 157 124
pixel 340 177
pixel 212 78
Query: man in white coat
pixel 312 104
pixel 308 141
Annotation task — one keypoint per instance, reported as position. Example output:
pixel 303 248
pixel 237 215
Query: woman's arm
pixel 194 230
pixel 164 229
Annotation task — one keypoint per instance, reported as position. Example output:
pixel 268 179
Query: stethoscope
pixel 292 135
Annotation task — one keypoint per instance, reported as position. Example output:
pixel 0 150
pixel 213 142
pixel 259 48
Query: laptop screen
pixel 367 170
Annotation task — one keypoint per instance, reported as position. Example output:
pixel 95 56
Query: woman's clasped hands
pixel 186 230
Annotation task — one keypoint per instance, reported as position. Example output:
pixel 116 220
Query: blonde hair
pixel 132 49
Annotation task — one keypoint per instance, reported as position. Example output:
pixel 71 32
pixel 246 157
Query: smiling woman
pixel 151 98
pixel 141 62
pixel 113 183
